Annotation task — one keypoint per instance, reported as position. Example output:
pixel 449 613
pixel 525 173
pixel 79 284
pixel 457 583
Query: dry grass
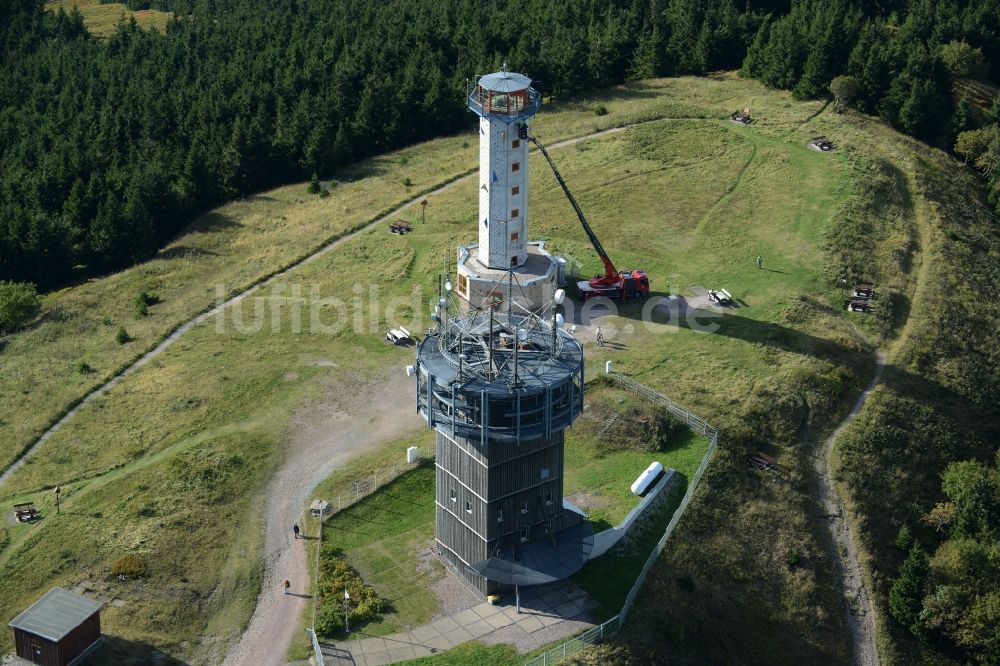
pixel 692 201
pixel 102 19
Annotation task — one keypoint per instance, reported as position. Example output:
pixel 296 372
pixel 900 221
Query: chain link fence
pixel 597 634
pixel 353 492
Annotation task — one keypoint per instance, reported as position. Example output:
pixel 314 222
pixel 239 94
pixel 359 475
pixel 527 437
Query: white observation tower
pixel 504 102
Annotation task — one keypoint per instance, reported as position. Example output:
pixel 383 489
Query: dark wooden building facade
pixel 499 418
pixel 58 629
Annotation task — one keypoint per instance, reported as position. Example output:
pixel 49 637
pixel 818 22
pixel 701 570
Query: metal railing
pixel 361 488
pixel 570 647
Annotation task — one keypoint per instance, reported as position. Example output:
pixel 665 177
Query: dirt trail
pixel 860 617
pixel 205 316
pixel 344 423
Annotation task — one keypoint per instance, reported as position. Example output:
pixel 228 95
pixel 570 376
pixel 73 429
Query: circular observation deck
pixel 505 96
pixel 499 378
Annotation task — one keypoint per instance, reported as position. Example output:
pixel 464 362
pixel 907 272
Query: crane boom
pixel 610 272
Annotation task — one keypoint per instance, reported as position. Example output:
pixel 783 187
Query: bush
pixel 143 301
pixel 19 303
pixel 336 575
pixel 313 187
pixel 84 368
pixel 129 566
pixel 407 183
pixel 122 336
pixel 600 110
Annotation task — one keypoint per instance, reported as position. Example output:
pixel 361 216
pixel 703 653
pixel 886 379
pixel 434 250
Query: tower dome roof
pixel 504 82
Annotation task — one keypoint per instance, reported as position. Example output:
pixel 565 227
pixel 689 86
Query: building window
pixel 516 166
pixel 548 498
pixel 499 515
pixel 545 473
pixel 463 284
pixel 453 495
pixel 524 534
pixel 515 212
pixel 516 143
pixel 524 506
pixel 515 190
pixel 513 260
pixel 514 236
pixel 468 506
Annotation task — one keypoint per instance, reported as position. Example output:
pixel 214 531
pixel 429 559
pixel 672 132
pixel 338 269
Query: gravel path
pixel 860 617
pixel 323 437
pixel 205 316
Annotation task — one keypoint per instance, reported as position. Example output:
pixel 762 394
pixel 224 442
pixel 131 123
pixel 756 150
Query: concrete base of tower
pixel 532 287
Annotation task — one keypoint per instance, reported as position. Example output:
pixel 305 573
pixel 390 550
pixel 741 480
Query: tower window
pixel 516 212
pixel 516 143
pixel 452 495
pixel 524 534
pixel 463 284
pixel 545 473
pixel 515 190
pixel 468 506
pixel 516 166
pixel 514 236
pixel 524 506
pixel 548 499
pixel 513 260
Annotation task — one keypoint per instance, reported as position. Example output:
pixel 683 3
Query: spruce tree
pixel 907 591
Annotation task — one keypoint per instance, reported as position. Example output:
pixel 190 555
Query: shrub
pixel 904 540
pixel 129 566
pixel 313 187
pixel 407 182
pixel 336 575
pixel 122 336
pixel 600 110
pixel 19 303
pixel 84 368
pixel 845 91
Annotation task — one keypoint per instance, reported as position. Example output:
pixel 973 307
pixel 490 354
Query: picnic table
pixel 398 336
pixel 26 512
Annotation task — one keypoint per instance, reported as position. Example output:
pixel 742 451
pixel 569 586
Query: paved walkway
pixel 548 613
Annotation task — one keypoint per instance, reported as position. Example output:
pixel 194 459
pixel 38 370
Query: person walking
pixel 760 261
pixel 600 337
pixel 287 585
pixel 295 530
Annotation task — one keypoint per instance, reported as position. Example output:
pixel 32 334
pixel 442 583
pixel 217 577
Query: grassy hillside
pixel 692 199
pixel 101 19
pixel 915 223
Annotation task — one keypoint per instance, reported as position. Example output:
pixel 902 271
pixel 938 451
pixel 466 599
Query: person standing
pixel 287 585
pixel 600 337
pixel 295 530
pixel 760 261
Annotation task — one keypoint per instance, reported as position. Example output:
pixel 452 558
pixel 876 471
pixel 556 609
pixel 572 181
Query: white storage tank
pixel 412 454
pixel 645 480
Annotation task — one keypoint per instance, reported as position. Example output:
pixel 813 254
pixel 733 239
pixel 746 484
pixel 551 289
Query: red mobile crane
pixel 614 283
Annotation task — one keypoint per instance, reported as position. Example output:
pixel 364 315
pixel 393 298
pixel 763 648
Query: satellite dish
pixel 442 302
pixel 522 334
pixel 447 285
pixel 572 329
pixel 559 297
pixel 409 370
pixel 560 320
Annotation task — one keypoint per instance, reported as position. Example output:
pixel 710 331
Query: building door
pixel 36 653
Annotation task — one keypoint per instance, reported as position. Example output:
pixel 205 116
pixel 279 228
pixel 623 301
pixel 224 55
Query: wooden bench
pixel 25 513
